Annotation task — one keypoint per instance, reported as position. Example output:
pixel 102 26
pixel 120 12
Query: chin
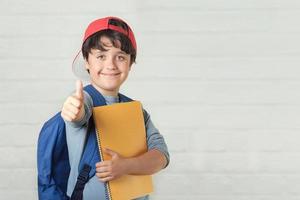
pixel 110 88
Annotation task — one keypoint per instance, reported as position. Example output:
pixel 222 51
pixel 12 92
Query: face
pixel 108 69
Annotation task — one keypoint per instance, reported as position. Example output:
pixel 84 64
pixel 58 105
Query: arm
pixel 146 164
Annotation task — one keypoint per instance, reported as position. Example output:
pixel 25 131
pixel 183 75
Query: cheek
pixel 125 67
pixel 95 68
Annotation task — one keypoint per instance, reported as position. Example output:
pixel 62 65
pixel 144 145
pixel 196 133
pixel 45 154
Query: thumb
pixel 110 152
pixel 79 89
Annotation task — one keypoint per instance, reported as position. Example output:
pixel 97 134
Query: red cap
pixel 103 24
pixel 94 27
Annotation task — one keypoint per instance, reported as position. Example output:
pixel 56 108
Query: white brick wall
pixel 220 78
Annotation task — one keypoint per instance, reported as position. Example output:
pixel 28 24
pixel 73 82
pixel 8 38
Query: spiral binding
pixel 107 189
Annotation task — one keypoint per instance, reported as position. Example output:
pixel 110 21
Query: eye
pixel 101 57
pixel 121 58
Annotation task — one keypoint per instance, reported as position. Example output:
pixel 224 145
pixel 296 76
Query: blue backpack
pixel 53 159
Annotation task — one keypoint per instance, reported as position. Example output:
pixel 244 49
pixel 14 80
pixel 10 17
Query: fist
pixel 111 169
pixel 73 109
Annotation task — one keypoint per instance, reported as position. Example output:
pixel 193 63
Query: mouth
pixel 110 75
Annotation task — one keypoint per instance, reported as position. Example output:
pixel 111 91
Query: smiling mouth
pixel 110 74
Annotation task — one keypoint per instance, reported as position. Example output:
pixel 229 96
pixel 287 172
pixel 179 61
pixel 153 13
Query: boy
pixel 108 50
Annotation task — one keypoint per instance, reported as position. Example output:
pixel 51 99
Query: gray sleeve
pixel 154 139
pixel 88 108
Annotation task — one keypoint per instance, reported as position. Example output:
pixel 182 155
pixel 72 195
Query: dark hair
pixel 93 42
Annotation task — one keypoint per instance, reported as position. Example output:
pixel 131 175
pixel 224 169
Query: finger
pixel 102 169
pixel 79 89
pixel 69 114
pixel 75 101
pixel 103 174
pixel 110 152
pixel 109 178
pixel 103 163
pixel 71 108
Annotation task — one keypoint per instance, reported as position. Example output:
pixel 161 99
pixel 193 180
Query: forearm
pixel 146 164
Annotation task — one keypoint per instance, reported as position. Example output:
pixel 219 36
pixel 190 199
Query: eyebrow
pixel 122 52
pixel 99 51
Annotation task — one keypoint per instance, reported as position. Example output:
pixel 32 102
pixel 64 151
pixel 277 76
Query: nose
pixel 110 64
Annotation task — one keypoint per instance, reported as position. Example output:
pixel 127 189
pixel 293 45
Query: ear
pixel 130 66
pixel 86 64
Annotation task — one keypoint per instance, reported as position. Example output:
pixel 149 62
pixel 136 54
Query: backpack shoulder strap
pixel 124 98
pixel 90 154
pixel 98 99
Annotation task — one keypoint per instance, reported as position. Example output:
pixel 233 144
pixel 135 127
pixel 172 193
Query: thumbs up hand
pixel 73 107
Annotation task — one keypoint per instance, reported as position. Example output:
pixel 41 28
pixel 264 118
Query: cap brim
pixel 78 67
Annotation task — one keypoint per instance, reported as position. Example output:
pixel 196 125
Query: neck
pixel 113 93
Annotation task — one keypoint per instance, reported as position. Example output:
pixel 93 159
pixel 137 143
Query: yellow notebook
pixel 120 127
